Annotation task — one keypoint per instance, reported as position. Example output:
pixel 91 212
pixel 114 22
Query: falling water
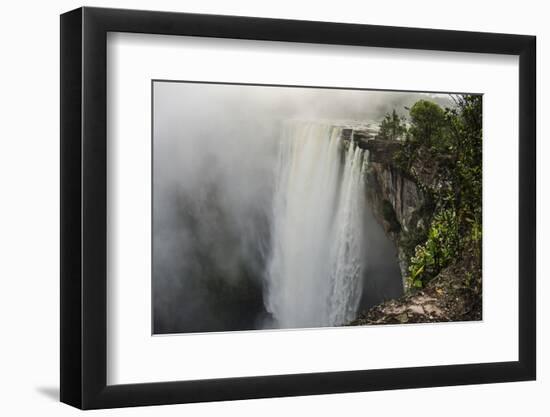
pixel 315 271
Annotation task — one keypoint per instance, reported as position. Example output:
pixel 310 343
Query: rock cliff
pixel 396 198
pixel 402 203
pixel 400 206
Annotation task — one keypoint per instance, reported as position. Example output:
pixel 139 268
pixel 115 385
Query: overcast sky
pixel 199 100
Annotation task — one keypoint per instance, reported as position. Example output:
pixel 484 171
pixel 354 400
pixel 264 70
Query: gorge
pixel 326 248
pixel 280 208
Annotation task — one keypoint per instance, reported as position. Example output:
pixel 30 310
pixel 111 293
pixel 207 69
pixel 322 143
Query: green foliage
pixel 437 252
pixel 417 232
pixel 392 127
pixel 447 145
pixel 465 123
pixel 426 139
pixel 428 125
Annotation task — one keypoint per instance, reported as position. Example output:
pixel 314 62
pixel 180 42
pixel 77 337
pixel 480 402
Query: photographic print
pixel 285 207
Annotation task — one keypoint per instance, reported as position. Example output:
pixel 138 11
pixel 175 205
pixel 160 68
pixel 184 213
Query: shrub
pixel 440 248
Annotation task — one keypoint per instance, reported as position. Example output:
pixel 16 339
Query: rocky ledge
pixel 454 295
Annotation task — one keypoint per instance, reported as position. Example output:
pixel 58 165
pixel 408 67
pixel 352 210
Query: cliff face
pixel 398 202
pixel 399 205
pixel 405 211
pixel 426 191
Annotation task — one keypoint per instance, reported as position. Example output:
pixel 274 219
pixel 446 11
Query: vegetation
pixel 429 188
pixel 437 252
pixel 392 127
pixel 428 125
pixel 442 152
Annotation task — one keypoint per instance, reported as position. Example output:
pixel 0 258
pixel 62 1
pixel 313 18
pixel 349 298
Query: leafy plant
pixel 442 154
pixel 428 124
pixel 437 252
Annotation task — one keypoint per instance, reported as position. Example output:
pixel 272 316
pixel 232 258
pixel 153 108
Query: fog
pixel 215 150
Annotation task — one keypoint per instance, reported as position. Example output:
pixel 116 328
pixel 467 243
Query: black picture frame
pixel 84 207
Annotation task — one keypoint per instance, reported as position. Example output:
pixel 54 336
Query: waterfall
pixel 315 269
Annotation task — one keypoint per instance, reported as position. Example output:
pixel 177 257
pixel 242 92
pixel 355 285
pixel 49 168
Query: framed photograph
pixel 257 208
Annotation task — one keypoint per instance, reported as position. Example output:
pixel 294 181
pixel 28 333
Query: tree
pixel 465 135
pixel 428 123
pixel 449 143
pixel 392 127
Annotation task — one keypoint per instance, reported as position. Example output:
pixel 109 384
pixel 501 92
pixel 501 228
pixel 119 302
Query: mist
pixel 215 153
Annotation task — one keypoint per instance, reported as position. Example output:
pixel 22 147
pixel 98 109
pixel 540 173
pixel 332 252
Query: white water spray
pixel 315 272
